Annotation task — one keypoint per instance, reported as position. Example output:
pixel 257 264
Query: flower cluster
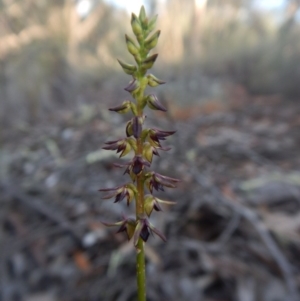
pixel 143 142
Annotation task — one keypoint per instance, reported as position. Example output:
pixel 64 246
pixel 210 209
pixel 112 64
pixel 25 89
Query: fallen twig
pixel 261 229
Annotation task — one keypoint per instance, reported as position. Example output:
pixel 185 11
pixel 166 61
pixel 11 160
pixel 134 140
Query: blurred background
pixel 232 69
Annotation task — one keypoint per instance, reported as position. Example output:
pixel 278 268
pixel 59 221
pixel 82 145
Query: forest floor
pixel 233 235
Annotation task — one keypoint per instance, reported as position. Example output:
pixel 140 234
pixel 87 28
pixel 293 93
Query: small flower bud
pixel 129 130
pixel 121 145
pixel 154 104
pixel 132 143
pixel 148 204
pixel 127 68
pixel 143 229
pixel 127 225
pixel 126 150
pixel 127 191
pixel 151 24
pixel 148 152
pixel 144 234
pixel 149 61
pixel 138 164
pixel 143 17
pixel 138 58
pixel 130 228
pixel 152 41
pixel 132 48
pixel 132 86
pixel 140 38
pixel 154 81
pixel 156 135
pixel 123 108
pixel 136 25
pixel 144 134
pixel 151 203
pixel 158 181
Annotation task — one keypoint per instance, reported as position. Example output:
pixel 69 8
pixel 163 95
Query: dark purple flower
pixel 138 164
pixel 120 192
pixel 156 135
pixel 158 181
pixel 143 230
pixel 152 202
pixel 149 150
pixel 127 225
pixel 121 146
pixel 135 166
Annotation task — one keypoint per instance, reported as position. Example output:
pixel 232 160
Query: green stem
pixel 140 271
pixel 140 257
